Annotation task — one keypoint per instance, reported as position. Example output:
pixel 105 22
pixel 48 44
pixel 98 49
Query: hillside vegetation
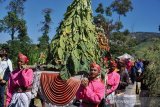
pixel 151 51
pixel 145 36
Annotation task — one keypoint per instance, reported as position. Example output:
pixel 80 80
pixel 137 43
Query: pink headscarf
pixel 113 63
pixel 96 66
pixel 105 59
pixel 23 57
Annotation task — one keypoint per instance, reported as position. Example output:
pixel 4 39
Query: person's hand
pixel 2 82
pixel 1 78
pixel 84 82
pixel 25 66
pixel 106 94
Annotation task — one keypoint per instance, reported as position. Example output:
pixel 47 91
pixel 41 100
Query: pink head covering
pixel 96 66
pixel 113 63
pixel 105 59
pixel 23 57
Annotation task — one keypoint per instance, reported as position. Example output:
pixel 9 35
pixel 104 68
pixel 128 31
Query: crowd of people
pixel 119 74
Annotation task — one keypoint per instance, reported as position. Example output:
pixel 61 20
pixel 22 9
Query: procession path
pixel 131 96
pixel 129 99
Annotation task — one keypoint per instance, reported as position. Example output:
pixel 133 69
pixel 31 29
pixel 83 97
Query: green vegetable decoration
pixel 42 58
pixel 75 44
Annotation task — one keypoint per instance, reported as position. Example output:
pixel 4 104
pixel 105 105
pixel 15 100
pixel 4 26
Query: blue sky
pixel 145 16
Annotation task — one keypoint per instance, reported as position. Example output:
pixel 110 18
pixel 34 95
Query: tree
pixel 15 25
pixel 17 7
pixel 44 39
pixel 100 20
pixel 12 22
pixel 22 32
pixel 122 42
pixel 75 44
pixel 100 9
pixel 121 7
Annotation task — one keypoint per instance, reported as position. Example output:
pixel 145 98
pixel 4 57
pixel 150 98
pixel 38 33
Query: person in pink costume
pixel 129 65
pixel 91 90
pixel 112 82
pixel 20 84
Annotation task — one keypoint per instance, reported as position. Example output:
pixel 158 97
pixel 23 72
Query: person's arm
pixel 10 90
pixel 80 92
pixel 127 77
pixel 116 83
pixel 95 96
pixel 27 77
pixel 10 65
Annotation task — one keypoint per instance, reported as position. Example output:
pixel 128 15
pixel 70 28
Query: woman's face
pixel 21 63
pixel 122 69
pixel 93 72
pixel 112 68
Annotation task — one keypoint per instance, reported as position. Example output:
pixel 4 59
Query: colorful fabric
pixel 20 100
pixel 37 88
pixel 96 66
pixel 128 66
pixel 112 82
pixel 23 57
pixel 110 99
pixel 57 91
pixel 92 94
pixel 36 83
pixel 18 79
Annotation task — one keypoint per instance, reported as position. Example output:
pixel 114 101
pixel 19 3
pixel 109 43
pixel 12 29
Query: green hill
pixel 145 36
pixel 151 51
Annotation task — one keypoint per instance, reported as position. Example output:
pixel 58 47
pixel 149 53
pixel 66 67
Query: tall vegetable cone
pixel 75 44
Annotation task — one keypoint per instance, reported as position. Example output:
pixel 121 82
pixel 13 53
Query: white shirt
pixel 4 64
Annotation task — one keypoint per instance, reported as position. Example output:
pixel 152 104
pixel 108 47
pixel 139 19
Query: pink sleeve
pixel 114 87
pixel 80 93
pixel 96 95
pixel 27 77
pixel 10 88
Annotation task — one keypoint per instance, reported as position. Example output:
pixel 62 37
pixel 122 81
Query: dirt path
pixel 131 97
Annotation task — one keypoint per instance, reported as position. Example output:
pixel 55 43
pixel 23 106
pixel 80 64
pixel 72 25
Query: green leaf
pixel 76 37
pixel 84 38
pixel 62 44
pixel 60 53
pixel 76 54
pixel 65 75
pixel 68 29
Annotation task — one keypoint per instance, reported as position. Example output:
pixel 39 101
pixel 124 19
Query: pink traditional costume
pixel 112 82
pixel 128 65
pixel 19 86
pixel 93 93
